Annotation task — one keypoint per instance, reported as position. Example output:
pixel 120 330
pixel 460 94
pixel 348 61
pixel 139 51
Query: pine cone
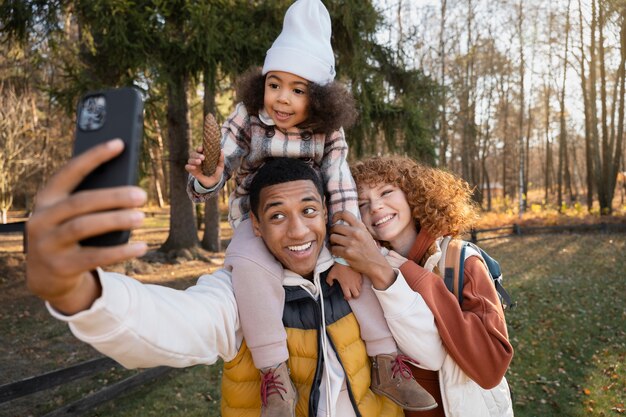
pixel 210 144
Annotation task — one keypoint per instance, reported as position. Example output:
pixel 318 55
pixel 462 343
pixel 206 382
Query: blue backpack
pixel 455 251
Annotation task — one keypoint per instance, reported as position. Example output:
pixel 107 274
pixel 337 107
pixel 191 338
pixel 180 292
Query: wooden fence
pixel 481 235
pixel 28 386
pixel 15 227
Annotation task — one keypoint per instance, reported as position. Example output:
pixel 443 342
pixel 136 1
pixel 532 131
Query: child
pixel 293 108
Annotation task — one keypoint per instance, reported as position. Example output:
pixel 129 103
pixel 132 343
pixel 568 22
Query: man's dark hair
pixel 331 106
pixel 278 171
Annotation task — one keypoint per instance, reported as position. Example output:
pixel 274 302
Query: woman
pixel 408 208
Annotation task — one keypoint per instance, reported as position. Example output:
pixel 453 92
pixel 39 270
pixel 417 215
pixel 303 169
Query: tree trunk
pixel 465 103
pixel 522 196
pixel 211 239
pixel 605 200
pixel 470 162
pixel 567 171
pixel 504 153
pixel 161 163
pixel 575 170
pixel 443 144
pixel 564 173
pixel 583 79
pixel 488 182
pixel 183 233
pixel 621 79
pixel 154 164
pixel 529 127
pixel 547 90
pixel 486 143
pixel 593 112
pixel 547 179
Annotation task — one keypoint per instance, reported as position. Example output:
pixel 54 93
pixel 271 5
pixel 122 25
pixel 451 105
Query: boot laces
pixel 270 385
pixel 400 367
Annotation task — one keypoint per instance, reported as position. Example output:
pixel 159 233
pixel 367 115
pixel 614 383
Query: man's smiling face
pixel 291 221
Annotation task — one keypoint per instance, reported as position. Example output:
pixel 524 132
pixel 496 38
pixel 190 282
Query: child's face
pixel 286 99
pixel 387 215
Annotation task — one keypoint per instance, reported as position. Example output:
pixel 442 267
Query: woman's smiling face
pixel 387 215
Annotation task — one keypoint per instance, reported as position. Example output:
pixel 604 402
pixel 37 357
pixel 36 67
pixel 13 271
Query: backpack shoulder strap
pixel 454 267
pixel 454 252
pixel 493 267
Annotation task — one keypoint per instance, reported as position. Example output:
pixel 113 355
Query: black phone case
pixel 123 120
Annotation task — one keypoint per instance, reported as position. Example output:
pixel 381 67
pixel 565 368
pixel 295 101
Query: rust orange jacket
pixel 474 334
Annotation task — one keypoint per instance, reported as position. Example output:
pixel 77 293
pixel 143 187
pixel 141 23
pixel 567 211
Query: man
pixel 143 325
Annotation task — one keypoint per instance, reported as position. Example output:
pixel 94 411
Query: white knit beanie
pixel 303 47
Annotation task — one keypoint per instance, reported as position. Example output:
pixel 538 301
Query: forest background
pixel 522 98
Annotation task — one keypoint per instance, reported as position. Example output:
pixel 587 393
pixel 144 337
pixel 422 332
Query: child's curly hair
pixel 331 106
pixel 439 201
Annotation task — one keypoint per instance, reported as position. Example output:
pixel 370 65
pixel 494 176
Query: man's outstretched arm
pixel 136 324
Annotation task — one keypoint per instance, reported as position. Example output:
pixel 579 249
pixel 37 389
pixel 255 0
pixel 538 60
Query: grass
pixel 191 392
pixel 568 331
pixel 569 328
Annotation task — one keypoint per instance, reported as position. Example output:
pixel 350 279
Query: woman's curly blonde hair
pixel 439 201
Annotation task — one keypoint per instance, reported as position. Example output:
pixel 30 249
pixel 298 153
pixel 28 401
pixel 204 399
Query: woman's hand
pixel 351 241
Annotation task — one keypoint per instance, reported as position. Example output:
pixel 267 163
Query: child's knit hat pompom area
pixel 303 47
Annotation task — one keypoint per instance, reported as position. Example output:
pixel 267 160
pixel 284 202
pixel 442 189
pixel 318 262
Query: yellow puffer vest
pixel 241 382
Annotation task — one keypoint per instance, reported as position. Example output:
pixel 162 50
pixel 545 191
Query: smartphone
pixel 100 117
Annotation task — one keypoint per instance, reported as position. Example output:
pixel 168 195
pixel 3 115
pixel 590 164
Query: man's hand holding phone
pixel 100 117
pixel 58 268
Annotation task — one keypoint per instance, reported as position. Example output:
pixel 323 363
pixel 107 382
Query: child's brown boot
pixel 392 377
pixel 278 394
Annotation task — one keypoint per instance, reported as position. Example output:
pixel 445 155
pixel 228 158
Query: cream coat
pixel 143 326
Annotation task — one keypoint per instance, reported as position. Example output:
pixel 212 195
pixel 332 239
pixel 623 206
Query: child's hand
pixel 194 167
pixel 349 279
